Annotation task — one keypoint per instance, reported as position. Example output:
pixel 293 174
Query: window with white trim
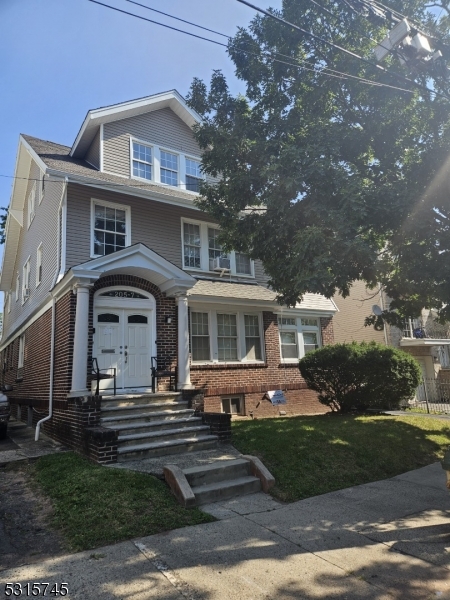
pixel 221 336
pixel 200 336
pixel 110 228
pixel 41 186
pixel 233 405
pixel 227 337
pixel 164 166
pixel 8 301
pixel 21 358
pixel 169 168
pixel 142 161
pixel 193 175
pixel 200 246
pixel 17 287
pixel 26 271
pixel 298 335
pixel 32 204
pixel 39 265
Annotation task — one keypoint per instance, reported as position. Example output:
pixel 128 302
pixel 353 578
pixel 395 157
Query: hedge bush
pixel 359 376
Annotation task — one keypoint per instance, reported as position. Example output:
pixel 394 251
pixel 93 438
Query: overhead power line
pixel 342 49
pixel 324 71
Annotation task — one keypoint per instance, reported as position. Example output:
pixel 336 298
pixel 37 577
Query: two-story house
pixel 107 257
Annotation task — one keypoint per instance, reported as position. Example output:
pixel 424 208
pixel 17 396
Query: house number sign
pixel 123 294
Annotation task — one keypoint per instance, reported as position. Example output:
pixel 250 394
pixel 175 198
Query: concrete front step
pixel 111 411
pixel 135 399
pixel 219 471
pixel 141 413
pixel 182 444
pixel 224 490
pixel 162 415
pixel 168 423
pixel 162 435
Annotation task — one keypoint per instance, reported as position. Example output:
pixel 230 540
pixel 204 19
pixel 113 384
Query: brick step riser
pixel 168 424
pixel 226 493
pixel 225 473
pixel 143 409
pixel 182 448
pixel 163 436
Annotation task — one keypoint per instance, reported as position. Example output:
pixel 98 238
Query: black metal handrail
pixel 97 372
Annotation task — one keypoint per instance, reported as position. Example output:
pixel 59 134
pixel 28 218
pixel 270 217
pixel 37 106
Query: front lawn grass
pixel 95 506
pixel 313 455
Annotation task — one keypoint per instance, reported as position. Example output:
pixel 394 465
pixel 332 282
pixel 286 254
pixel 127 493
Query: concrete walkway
pixel 385 540
pixel 20 445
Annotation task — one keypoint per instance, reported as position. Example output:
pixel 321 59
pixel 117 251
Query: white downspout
pixel 60 264
pixel 52 355
pixel 61 243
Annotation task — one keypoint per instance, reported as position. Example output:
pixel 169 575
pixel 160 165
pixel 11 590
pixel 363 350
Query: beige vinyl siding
pixel 93 154
pixel 161 127
pixel 155 224
pixel 43 229
pixel 348 323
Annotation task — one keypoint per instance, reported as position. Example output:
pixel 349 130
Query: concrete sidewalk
pixel 385 540
pixel 20 445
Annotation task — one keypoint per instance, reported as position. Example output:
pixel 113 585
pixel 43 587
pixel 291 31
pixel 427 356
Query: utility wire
pixel 324 71
pixel 177 18
pixel 342 49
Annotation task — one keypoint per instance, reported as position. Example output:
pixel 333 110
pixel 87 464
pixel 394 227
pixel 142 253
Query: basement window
pixel 233 405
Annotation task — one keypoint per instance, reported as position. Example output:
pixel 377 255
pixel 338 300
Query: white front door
pixel 122 341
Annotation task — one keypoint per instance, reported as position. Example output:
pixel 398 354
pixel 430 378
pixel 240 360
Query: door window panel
pixel 108 318
pixel 137 319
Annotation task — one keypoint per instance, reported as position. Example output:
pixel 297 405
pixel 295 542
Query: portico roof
pixel 138 260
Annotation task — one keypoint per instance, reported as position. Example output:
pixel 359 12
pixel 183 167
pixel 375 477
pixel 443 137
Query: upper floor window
pixel 26 280
pixel 142 161
pixel 21 357
pixel 17 286
pixel 201 249
pixel 298 336
pixel 41 186
pixel 193 175
pixel 39 265
pixel 169 168
pixel 32 204
pixel 161 165
pixel 110 228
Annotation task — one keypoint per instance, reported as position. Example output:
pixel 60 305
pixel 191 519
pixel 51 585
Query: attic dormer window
pixel 142 161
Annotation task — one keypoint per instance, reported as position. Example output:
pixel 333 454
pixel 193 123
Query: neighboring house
pixel 107 257
pixel 423 337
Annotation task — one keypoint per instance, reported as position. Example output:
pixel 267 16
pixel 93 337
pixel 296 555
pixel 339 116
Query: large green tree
pixel 325 178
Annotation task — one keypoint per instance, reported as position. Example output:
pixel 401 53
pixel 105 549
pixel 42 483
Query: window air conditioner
pixel 221 263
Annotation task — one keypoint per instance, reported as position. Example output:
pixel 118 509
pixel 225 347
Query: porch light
pixel 168 320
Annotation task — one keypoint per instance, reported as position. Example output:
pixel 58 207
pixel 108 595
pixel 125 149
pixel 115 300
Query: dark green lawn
pixel 318 454
pixel 95 506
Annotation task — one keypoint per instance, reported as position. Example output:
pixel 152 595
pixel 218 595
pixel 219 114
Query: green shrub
pixel 360 376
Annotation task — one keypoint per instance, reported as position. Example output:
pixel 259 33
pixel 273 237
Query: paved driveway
pixel 384 540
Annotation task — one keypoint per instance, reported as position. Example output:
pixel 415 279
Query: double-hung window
pixel 26 280
pixel 227 337
pixel 142 161
pixel 32 204
pixel 192 245
pixel 169 168
pixel 39 265
pixel 221 337
pixel 200 336
pixel 298 336
pixel 21 357
pixel 193 175
pixel 201 247
pixel 110 228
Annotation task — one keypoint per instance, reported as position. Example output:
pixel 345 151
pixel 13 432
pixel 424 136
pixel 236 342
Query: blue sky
pixel 61 58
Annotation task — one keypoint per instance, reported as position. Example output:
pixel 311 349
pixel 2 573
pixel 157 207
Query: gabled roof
pixel 124 110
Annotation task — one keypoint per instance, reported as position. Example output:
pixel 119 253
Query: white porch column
pixel 184 372
pixel 80 342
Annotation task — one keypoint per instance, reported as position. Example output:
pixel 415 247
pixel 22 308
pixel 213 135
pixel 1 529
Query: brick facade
pixel 76 421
